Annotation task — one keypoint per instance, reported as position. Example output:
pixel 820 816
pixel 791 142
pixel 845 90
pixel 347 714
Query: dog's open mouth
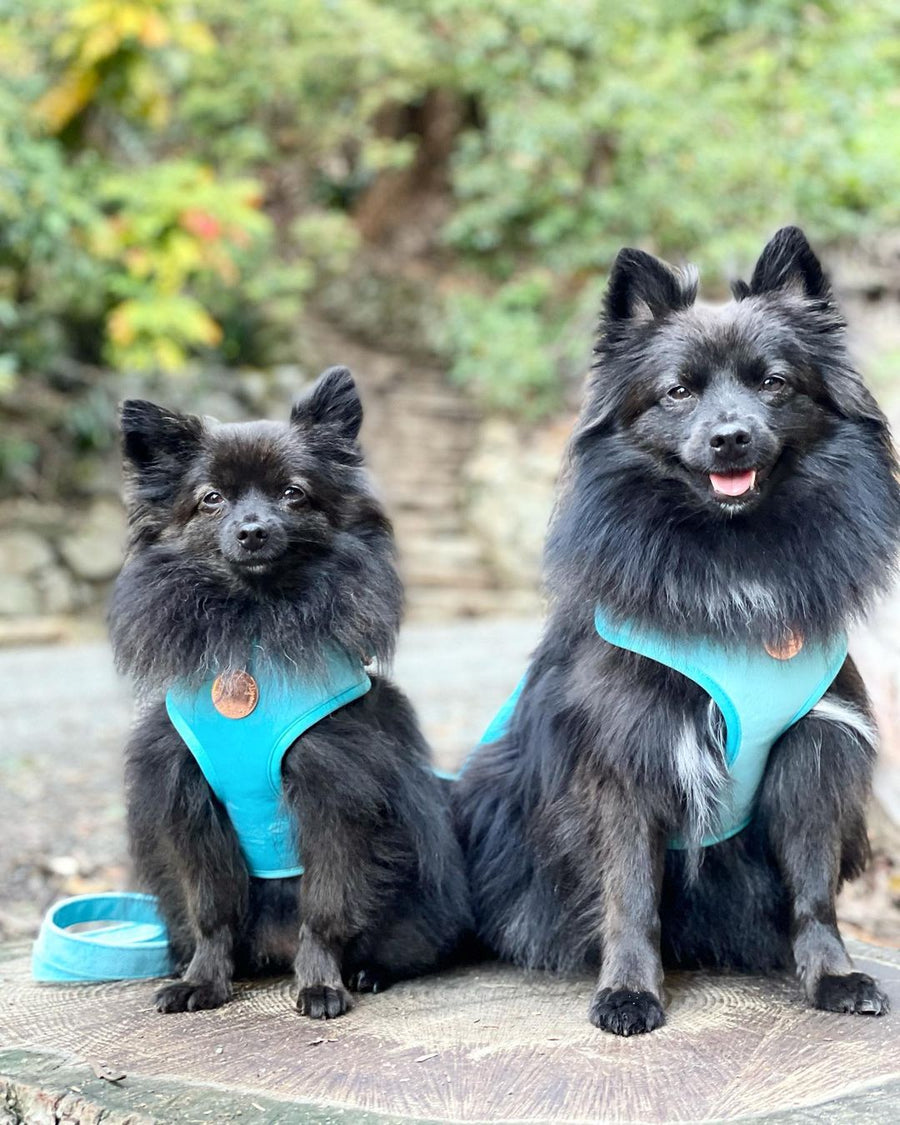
pixel 733 484
pixel 256 567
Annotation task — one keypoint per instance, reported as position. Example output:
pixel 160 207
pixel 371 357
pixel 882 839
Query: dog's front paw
pixel 854 992
pixel 187 996
pixel 323 1001
pixel 624 1012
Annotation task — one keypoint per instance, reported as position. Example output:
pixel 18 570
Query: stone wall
pixel 54 560
pixel 510 484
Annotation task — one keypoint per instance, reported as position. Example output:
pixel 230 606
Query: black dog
pixel 730 480
pixel 262 543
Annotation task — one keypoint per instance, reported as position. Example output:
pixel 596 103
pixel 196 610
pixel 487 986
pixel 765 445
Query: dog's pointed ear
pixel 333 401
pixel 643 288
pixel 153 436
pixel 788 262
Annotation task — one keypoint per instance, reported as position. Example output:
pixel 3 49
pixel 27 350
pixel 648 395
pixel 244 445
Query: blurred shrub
pixel 690 124
pixel 164 233
pixel 177 176
pixel 689 127
pixel 503 344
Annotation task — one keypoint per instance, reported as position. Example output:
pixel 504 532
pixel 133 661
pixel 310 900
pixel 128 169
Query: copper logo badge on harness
pixel 787 649
pixel 235 694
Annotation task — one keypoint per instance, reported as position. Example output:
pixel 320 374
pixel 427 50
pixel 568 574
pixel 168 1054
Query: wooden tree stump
pixel 488 1043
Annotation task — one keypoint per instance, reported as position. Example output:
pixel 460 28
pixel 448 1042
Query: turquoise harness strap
pixel 760 698
pixel 500 722
pixel 134 946
pixel 241 758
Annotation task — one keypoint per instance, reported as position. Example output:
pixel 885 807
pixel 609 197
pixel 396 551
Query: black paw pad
pixel 854 992
pixel 626 1013
pixel 321 1002
pixel 184 996
pixel 366 980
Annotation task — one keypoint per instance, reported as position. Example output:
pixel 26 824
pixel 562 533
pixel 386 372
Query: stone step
pixel 459 579
pixel 438 497
pixel 443 405
pixel 428 433
pixel 417 463
pixel 412 424
pixel 415 468
pixel 445 426
pixel 414 523
pixel 447 550
pixel 444 498
pixel 425 602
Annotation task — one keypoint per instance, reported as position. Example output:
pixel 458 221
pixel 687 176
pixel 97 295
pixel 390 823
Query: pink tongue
pixel 733 484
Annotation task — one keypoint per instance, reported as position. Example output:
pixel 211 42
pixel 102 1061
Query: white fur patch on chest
pixel 699 757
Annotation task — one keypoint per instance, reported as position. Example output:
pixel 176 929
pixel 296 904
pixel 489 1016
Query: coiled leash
pixel 127 941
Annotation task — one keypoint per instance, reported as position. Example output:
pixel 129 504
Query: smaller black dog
pixel 260 559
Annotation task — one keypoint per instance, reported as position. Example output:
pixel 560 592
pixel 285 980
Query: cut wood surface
pixel 487 1043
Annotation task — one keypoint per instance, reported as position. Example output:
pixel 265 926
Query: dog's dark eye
pixel 679 393
pixel 771 383
pixel 293 493
pixel 213 500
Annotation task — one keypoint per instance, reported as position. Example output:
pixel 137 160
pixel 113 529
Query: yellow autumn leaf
pixel 89 13
pixel 158 111
pixel 169 356
pixel 154 31
pixel 128 20
pixel 206 330
pixel 64 101
pixel 98 44
pixel 196 36
pixel 181 256
pixel 119 326
pixel 139 262
pixel 224 266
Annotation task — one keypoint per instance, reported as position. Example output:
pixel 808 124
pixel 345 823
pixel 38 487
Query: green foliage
pixel 504 344
pixel 306 79
pixel 690 127
pixel 687 125
pixel 178 176
pixel 164 234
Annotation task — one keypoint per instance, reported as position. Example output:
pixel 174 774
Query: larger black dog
pixel 730 478
pixel 263 542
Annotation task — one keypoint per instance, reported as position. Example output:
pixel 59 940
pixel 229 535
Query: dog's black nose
pixel 252 536
pixel 730 438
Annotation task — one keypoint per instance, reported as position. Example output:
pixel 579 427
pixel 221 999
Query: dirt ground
pixel 64 716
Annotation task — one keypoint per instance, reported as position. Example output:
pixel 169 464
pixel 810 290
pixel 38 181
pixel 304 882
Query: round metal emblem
pixel 235 694
pixel 788 648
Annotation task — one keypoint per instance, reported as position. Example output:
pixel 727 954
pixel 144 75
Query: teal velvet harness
pixel 241 758
pixel 760 698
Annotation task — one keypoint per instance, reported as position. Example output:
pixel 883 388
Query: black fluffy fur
pixel 383 895
pixel 565 819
